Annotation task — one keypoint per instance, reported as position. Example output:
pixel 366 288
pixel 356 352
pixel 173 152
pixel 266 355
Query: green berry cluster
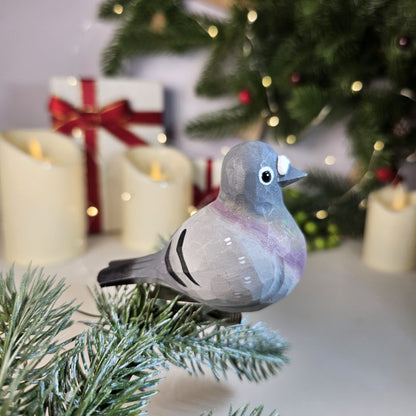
pixel 320 231
pixel 320 234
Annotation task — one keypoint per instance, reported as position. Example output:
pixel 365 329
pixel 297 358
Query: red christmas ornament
pixel 295 78
pixel 244 96
pixel 385 174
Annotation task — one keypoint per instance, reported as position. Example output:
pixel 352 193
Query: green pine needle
pixel 113 367
pixel 30 321
pixel 105 374
pixel 222 123
pixel 244 411
pixel 184 337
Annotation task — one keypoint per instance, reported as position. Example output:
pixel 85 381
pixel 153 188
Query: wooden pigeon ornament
pixel 242 252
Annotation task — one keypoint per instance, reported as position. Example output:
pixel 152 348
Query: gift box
pixel 105 116
pixel 207 176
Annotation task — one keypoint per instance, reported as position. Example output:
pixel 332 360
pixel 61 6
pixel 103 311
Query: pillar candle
pixel 154 203
pixel 390 230
pixel 42 197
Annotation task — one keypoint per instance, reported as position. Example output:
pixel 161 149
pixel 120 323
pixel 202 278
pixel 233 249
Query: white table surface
pixel 352 332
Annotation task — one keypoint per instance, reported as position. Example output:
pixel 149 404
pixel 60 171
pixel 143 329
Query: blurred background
pixel 54 40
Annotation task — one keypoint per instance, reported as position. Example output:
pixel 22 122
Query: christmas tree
pixel 114 366
pixel 291 66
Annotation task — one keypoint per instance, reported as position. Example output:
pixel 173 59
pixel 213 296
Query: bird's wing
pixel 136 270
pixel 211 257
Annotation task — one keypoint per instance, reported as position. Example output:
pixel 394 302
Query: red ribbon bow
pixel 114 117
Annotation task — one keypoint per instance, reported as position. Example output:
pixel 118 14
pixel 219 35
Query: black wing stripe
pixel 169 267
pixel 182 258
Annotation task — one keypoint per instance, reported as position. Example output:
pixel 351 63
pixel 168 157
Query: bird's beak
pixel 291 176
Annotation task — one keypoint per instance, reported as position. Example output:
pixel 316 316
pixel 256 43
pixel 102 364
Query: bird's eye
pixel 266 175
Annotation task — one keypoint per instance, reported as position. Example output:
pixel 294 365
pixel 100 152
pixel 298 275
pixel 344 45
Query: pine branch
pixel 184 337
pixel 251 352
pixel 222 123
pixel 30 320
pixel 113 367
pixel 306 103
pixel 105 374
pixel 227 52
pixel 244 411
pixel 138 35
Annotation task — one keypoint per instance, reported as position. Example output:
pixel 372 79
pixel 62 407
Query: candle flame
pixel 400 197
pixel 156 172
pixel 35 149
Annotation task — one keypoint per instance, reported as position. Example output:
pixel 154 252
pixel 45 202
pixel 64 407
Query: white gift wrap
pixel 42 201
pixel 143 96
pixel 154 209
pixel 200 176
pixel 200 171
pixel 390 235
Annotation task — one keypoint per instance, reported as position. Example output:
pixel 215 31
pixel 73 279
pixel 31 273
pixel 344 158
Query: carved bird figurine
pixel 242 252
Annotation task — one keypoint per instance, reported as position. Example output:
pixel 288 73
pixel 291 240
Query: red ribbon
pixel 114 117
pixel 204 197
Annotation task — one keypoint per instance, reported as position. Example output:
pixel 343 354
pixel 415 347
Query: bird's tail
pixel 123 272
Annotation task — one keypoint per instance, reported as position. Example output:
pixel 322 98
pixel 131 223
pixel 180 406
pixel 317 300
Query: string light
pixel 356 86
pixel 330 160
pixel 247 49
pixel 213 31
pixel 224 150
pixel 125 196
pixel 192 210
pixel 92 211
pixel 162 138
pixel 321 214
pixel 118 9
pixel 266 81
pixel 408 93
pixel 291 139
pixel 158 23
pixel 76 132
pixel 378 146
pixel 252 16
pixel 72 81
pixel 273 121
pixel 362 204
pixel 411 158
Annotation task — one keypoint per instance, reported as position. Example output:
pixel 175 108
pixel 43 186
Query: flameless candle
pixel 390 230
pixel 157 192
pixel 42 197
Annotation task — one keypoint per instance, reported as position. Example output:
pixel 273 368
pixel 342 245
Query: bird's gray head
pixel 252 177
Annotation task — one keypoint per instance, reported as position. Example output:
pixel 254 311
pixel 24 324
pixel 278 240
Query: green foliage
pixel 113 367
pixel 244 411
pixel 30 320
pixel 185 338
pixel 146 27
pixel 328 45
pixel 222 123
pixel 337 197
pixel 104 374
